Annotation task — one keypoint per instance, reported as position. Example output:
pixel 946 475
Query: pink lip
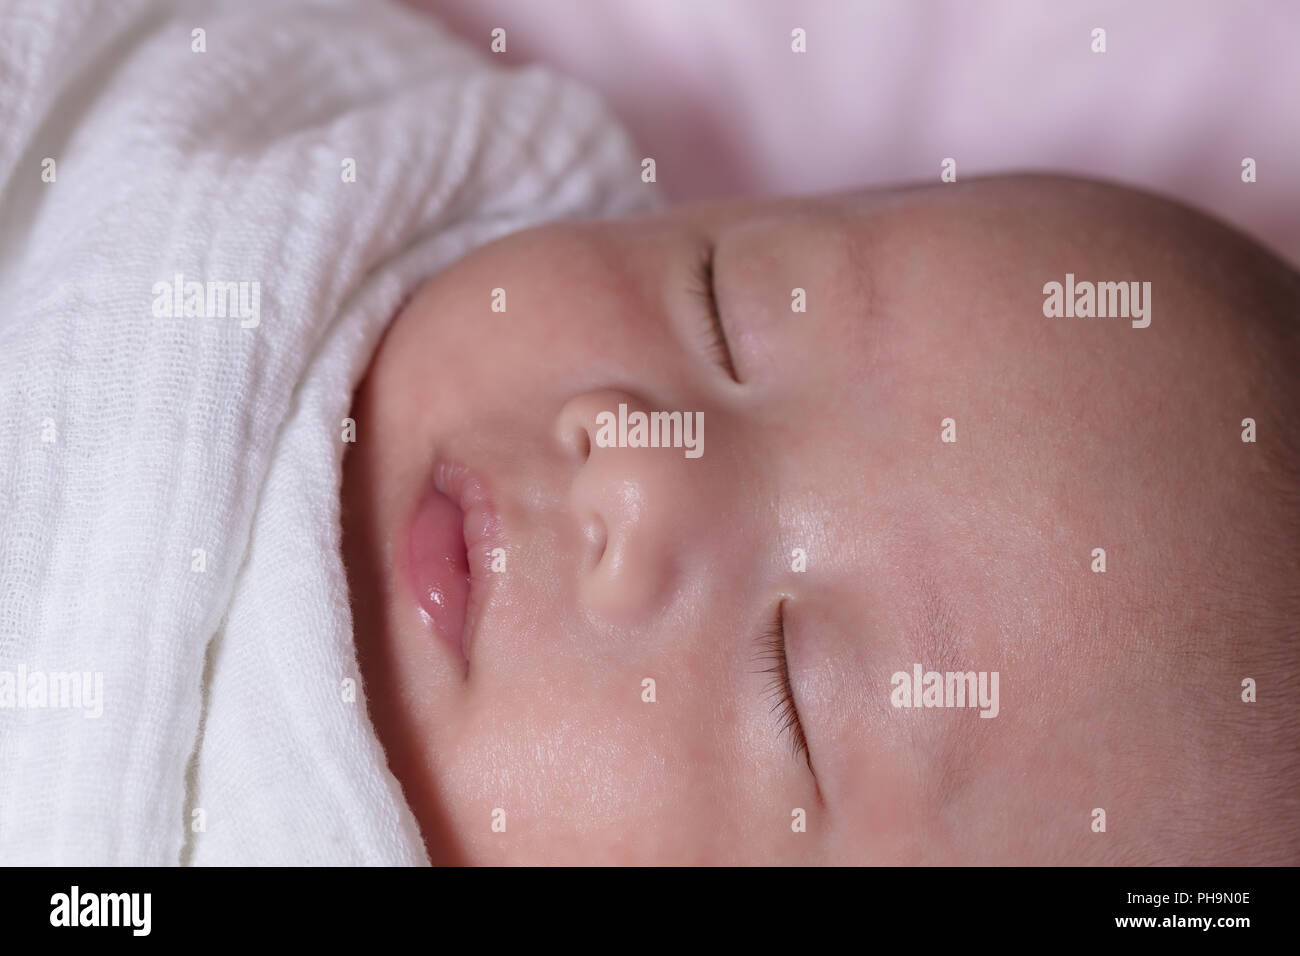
pixel 452 535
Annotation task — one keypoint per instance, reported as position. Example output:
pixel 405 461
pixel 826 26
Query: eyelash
pixel 773 651
pixel 717 344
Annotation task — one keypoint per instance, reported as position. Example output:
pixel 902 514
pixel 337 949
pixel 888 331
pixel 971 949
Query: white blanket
pixel 175 636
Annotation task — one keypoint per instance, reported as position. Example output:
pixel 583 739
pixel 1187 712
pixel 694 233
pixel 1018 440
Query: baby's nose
pixel 634 498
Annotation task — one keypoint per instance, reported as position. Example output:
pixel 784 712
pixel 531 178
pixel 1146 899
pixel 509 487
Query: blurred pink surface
pixel 887 89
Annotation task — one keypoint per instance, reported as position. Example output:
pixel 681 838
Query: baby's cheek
pixel 552 774
pixel 556 772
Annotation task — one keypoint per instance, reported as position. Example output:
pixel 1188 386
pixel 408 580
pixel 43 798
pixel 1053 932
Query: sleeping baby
pixel 991 554
pixel 390 477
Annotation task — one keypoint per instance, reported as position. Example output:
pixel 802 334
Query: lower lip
pixel 439 566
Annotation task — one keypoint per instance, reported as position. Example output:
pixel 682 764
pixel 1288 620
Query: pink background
pixel 887 89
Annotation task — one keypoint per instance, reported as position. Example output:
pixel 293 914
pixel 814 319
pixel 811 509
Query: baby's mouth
pixel 453 534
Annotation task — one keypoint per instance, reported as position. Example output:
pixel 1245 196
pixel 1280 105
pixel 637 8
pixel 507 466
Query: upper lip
pixel 483 534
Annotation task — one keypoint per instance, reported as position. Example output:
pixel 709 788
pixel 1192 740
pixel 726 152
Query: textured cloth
pixel 169 483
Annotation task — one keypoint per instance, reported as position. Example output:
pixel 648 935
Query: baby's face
pixel 685 654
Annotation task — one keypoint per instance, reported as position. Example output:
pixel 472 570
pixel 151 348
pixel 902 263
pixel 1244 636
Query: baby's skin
pixel 908 466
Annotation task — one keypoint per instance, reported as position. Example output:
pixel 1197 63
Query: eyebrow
pixel 954 746
pixel 937 634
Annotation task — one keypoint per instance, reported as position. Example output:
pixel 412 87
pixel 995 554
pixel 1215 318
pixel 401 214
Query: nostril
pixel 575 440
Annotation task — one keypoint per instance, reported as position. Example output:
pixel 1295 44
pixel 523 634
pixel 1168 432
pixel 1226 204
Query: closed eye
pixel 779 690
pixel 715 342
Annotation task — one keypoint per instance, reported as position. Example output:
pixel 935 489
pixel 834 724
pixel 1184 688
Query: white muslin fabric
pixel 169 471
